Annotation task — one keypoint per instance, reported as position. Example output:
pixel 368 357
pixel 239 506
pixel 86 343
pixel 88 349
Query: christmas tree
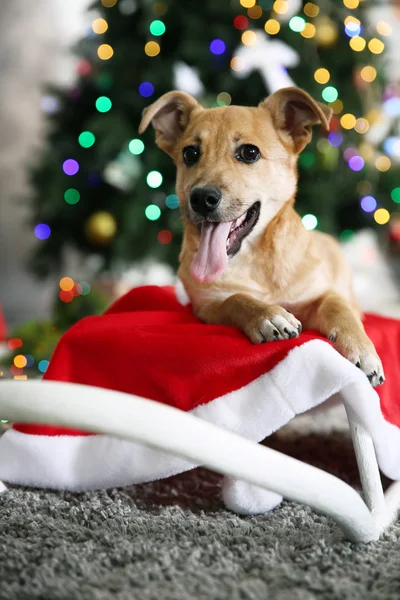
pixel 104 190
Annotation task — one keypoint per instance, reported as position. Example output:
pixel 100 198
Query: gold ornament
pixel 327 31
pixel 101 228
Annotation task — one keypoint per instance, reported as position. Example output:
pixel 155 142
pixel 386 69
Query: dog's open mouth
pixel 219 241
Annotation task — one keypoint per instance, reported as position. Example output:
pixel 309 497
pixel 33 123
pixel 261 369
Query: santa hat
pixel 149 344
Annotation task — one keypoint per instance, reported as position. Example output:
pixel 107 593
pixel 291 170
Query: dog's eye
pixel 247 153
pixel 191 155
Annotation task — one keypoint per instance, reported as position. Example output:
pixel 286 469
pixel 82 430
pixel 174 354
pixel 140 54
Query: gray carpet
pixel 173 540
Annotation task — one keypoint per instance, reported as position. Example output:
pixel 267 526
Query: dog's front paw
pixel 271 324
pixel 362 353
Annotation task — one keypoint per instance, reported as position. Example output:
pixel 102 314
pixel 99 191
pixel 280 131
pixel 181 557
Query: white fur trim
pixel 308 376
pixel 2 487
pixel 246 499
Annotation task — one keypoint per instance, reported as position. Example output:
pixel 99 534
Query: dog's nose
pixel 205 199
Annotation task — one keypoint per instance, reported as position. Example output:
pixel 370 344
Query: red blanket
pixel 150 345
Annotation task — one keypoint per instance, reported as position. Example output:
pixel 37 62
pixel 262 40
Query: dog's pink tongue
pixel 211 258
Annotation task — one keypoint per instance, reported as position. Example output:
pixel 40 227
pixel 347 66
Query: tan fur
pixel 281 266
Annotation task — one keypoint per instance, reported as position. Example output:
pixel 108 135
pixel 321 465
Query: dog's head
pixel 236 165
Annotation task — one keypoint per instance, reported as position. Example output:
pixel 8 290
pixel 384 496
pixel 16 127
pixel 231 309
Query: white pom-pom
pixel 247 499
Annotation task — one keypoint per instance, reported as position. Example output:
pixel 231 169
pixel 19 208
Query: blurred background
pixel 88 208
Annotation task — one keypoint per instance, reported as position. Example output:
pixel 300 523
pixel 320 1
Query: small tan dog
pixel 247 259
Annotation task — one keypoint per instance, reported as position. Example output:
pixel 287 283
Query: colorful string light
pixel 136 146
pixel 157 28
pixel 172 201
pixel 272 26
pixel 154 179
pixel 103 104
pixel 152 212
pixel 42 231
pixel 217 46
pixel 146 89
pixel 86 139
pixel 310 221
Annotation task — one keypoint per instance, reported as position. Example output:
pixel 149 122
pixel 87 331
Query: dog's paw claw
pixel 276 324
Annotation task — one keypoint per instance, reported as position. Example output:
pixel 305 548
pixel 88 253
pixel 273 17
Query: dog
pixel 247 259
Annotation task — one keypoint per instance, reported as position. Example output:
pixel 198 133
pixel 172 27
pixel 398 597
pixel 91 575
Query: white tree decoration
pixel 271 58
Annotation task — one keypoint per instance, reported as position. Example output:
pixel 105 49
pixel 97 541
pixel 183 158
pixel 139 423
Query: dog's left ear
pixel 294 113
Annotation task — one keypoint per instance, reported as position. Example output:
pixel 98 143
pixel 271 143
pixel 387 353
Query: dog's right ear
pixel 169 116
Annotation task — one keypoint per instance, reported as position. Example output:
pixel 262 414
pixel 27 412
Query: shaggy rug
pixel 174 540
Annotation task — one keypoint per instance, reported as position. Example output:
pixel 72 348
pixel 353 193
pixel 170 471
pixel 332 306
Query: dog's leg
pixel 334 317
pixel 261 322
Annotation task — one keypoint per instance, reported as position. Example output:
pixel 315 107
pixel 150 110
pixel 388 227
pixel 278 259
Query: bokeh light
pixel 224 99
pixel 105 51
pixel 249 38
pixel 311 10
pixel 368 74
pixel 351 3
pixel 383 163
pixel 392 106
pixel 86 139
pixel 382 216
pixel 14 343
pixel 280 7
pixel 368 204
pixel 20 361
pixel 310 221
pixel 85 288
pixel 309 31
pixel 329 94
pixel 272 26
pixel 348 121
pixel 72 196
pixel 103 104
pixel 66 284
pixel 172 201
pixel 217 46
pixel 99 26
pixel 247 3
pixel 154 179
pixel 346 235
pixel 335 138
pixel 376 46
pixel 157 28
pixel 43 364
pixel 255 12
pixel 361 125
pixel 297 24
pixel 383 28
pixel 356 163
pixel 240 22
pixel 392 146
pixel 237 63
pixel 136 146
pixel 70 166
pixel 66 296
pixel 395 195
pixel 29 360
pixel 42 231
pixel 109 3
pixel 164 236
pixel 357 43
pixel 352 29
pixel 152 48
pixel 337 107
pixel 322 75
pixel 349 153
pixel 146 89
pixel 152 212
